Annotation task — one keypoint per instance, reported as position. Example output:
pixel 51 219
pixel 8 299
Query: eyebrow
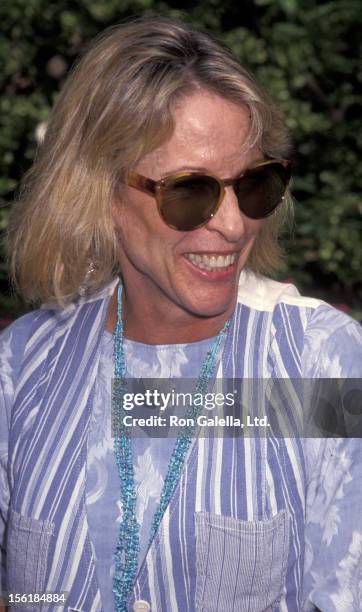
pixel 188 168
pixel 185 169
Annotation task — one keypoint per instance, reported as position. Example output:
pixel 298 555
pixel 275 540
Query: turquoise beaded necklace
pixel 128 545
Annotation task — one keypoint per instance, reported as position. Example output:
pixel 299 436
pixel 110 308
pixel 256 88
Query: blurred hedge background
pixel 305 52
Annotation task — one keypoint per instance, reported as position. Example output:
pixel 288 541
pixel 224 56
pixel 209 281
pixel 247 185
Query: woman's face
pixel 158 263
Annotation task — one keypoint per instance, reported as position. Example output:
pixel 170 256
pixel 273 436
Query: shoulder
pixel 328 341
pixel 15 337
pixel 34 332
pixel 265 294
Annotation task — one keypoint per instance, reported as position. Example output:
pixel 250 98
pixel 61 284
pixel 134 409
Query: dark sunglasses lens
pixel 189 201
pixel 261 189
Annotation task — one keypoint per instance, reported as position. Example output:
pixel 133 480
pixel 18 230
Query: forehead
pixel 209 132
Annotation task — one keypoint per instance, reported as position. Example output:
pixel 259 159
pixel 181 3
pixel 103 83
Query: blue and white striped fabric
pixel 151 454
pixel 255 523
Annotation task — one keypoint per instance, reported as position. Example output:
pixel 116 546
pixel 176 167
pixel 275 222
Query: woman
pixel 152 210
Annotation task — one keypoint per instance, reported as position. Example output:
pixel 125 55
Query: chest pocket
pixel 241 565
pixel 27 549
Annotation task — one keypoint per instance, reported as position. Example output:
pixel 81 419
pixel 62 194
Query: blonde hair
pixel 115 107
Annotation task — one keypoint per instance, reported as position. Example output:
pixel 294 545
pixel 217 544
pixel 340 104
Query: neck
pixel 143 323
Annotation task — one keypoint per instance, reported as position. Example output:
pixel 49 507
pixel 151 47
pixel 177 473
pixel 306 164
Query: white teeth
pixel 212 262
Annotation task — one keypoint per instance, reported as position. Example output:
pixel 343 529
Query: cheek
pixel 140 233
pixel 253 227
pixel 130 225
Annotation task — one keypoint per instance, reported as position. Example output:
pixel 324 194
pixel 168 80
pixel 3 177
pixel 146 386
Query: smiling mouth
pixel 212 262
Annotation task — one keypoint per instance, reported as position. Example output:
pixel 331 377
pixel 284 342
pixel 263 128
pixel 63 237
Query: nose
pixel 228 220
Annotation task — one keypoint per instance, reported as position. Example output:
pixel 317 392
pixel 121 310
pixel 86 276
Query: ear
pixel 116 205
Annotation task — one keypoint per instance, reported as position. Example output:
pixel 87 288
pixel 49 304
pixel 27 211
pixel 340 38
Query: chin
pixel 209 301
pixel 209 308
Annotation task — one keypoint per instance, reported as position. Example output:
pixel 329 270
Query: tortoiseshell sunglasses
pixel 188 200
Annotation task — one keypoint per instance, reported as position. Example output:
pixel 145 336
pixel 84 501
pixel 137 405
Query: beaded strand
pixel 128 545
pixel 126 554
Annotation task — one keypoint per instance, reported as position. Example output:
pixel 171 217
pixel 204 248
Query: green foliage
pixel 306 53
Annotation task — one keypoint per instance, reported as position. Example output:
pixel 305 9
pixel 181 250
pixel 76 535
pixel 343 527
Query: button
pixel 141 606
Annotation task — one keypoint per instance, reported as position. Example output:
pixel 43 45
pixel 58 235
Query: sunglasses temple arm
pixel 142 183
